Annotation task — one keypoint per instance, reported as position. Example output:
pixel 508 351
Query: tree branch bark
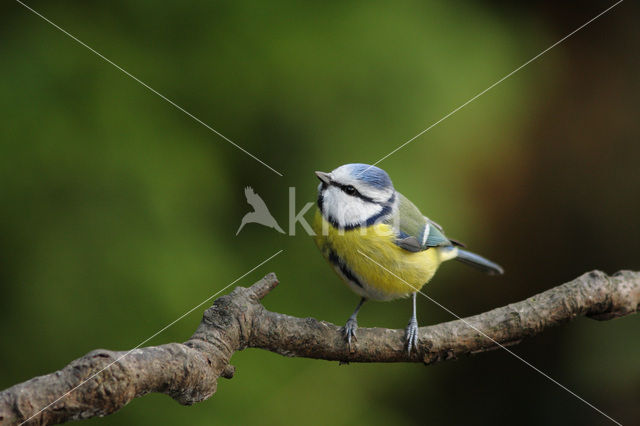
pixel 104 381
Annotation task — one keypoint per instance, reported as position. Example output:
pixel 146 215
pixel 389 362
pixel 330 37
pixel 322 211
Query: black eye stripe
pixel 351 190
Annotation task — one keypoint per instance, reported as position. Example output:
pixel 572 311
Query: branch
pixel 188 372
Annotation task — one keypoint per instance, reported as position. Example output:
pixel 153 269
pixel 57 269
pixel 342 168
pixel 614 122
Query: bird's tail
pixel 479 262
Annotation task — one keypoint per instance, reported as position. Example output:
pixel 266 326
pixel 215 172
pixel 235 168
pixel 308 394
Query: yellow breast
pixel 359 248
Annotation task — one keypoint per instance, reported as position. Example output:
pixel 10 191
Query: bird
pixel 378 241
pixel 260 213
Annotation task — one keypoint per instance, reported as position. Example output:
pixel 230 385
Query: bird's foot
pixel 412 335
pixel 349 330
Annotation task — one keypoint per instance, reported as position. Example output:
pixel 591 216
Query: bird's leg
pixel 412 328
pixel 352 323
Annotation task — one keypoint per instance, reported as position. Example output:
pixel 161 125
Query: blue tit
pixel 379 242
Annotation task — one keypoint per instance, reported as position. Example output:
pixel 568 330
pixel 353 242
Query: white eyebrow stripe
pixel 425 234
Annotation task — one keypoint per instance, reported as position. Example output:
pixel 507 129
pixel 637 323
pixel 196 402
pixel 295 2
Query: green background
pixel 118 212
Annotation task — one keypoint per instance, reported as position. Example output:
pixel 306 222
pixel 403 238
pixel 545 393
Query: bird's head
pixel 354 195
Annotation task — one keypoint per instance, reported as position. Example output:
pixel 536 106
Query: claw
pixel 412 335
pixel 349 330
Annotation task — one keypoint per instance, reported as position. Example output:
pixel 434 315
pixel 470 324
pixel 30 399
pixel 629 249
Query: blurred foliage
pixel 119 212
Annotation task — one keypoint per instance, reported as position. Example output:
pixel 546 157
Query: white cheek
pixel 347 210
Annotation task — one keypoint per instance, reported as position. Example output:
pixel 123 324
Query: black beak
pixel 324 177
